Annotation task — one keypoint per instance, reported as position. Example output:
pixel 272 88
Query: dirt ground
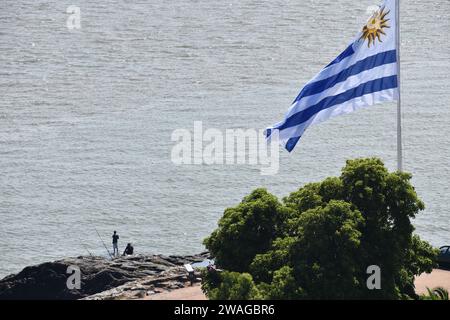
pixel 438 278
pixel 188 293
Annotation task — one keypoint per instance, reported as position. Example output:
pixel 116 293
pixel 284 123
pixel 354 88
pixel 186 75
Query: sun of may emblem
pixel 374 27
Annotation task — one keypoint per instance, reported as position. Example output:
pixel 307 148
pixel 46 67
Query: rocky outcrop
pixel 49 280
pixel 171 279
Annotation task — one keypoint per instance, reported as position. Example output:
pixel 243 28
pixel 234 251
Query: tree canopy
pixel 318 242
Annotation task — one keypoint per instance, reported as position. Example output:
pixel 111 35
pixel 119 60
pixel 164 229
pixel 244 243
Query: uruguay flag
pixel 363 75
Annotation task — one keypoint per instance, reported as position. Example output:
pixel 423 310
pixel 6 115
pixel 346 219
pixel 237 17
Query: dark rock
pixel 48 280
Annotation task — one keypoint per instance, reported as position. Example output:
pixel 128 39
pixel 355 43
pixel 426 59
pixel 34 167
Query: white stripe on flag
pixel 340 109
pixel 353 81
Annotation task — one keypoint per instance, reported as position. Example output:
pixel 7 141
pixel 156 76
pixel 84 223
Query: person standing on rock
pixel 115 241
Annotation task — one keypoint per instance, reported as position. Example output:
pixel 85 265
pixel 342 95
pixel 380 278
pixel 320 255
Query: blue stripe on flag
pixel 347 53
pixel 371 62
pixel 292 142
pixel 363 89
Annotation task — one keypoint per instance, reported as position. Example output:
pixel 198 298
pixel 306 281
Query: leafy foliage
pixel 229 286
pixel 318 242
pixel 438 293
pixel 246 230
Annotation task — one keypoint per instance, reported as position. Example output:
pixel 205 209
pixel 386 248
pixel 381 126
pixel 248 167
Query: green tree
pixel 318 243
pixel 246 230
pixel 230 286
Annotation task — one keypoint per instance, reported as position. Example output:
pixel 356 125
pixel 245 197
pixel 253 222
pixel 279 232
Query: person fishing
pixel 128 250
pixel 115 242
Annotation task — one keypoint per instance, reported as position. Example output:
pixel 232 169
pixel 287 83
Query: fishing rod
pixel 85 248
pixel 103 243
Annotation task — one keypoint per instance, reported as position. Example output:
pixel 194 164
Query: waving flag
pixel 363 75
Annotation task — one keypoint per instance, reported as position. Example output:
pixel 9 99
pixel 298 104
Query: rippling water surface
pixel 86 115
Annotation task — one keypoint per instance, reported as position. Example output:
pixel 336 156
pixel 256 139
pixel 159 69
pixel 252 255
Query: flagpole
pixel 399 101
